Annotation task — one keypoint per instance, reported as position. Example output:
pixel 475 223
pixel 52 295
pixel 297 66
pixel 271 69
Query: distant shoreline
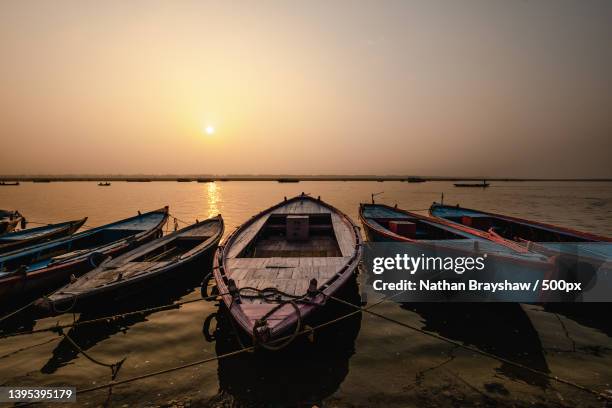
pixel 278 178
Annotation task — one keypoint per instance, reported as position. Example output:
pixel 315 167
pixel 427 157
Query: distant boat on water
pixel 104 184
pixel 484 184
pixel 9 183
pixel 415 180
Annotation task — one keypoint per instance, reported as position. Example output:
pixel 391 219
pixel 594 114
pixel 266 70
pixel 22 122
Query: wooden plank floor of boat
pixel 290 275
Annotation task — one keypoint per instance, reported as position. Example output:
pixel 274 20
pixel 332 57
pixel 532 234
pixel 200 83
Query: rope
pixel 69 308
pixel 478 351
pixel 234 353
pixel 179 220
pixel 292 337
pixel 114 367
pixel 106 318
pixel 85 226
pixel 3 318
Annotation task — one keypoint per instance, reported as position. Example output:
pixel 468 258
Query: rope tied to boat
pixel 261 333
pixel 114 367
pixel 54 308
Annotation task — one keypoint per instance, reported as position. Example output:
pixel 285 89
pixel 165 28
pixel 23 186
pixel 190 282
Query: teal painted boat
pixel 43 267
pixel 31 236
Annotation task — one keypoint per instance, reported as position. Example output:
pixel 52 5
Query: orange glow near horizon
pixel 484 89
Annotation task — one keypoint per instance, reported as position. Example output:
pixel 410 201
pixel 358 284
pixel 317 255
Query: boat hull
pixel 185 268
pixel 8 245
pixel 42 280
pixel 286 318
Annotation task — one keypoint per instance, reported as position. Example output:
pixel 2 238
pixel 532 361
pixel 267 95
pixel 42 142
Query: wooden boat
pixel 43 267
pixel 484 184
pixel 544 238
pixel 24 238
pixel 135 270
pixel 508 260
pixel 9 220
pixel 415 180
pixel 297 252
pixel 383 223
pixel 104 184
pixel 8 183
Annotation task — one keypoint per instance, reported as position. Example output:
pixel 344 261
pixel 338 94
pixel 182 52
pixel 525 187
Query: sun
pixel 209 130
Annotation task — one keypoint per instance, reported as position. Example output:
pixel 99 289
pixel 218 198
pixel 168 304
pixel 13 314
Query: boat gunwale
pixel 59 241
pixel 435 220
pixel 66 228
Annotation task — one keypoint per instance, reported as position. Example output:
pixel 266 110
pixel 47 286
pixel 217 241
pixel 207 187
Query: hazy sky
pixel 491 88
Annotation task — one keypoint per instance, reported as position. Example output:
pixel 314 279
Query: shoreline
pixel 278 178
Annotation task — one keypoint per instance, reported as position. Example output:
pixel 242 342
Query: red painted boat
pixel 578 256
pixel 532 235
pixel 277 268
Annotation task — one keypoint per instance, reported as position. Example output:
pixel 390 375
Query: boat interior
pixel 508 229
pixel 294 236
pixel 287 248
pixel 179 244
pixel 404 225
pixel 169 250
pixel 57 250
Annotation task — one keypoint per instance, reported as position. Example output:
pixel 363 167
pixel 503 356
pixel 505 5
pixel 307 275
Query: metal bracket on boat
pixel 233 291
pixel 261 331
pixel 312 288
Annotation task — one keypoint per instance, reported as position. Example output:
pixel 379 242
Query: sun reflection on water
pixel 214 196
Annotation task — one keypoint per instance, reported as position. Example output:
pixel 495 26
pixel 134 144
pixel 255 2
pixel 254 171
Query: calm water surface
pixel 362 361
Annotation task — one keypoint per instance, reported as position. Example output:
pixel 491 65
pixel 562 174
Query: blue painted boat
pixel 45 266
pixel 534 235
pixel 27 237
pixel 145 267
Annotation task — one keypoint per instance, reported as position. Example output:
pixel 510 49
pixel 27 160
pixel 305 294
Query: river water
pixel 363 360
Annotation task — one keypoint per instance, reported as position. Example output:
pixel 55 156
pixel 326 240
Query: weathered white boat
pixel 278 268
